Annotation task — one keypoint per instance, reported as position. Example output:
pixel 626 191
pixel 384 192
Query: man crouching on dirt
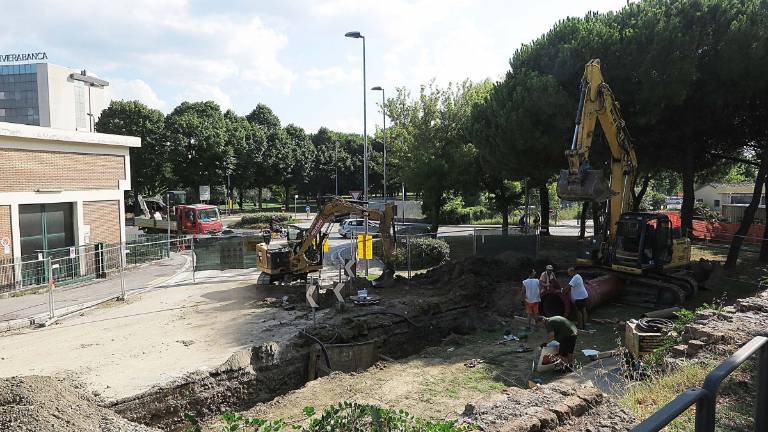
pixel 564 332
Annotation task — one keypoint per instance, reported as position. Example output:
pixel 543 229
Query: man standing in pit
pixel 548 280
pixel 579 296
pixel 565 333
pixel 532 297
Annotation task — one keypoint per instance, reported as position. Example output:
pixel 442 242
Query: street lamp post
pixel 336 166
pixel 384 122
pixel 358 35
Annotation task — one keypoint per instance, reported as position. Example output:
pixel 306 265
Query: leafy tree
pixel 199 152
pixel 521 131
pixel 297 160
pixel 435 154
pixel 248 143
pixel 150 170
pixel 276 157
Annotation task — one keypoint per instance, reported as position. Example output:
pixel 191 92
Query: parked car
pixel 351 227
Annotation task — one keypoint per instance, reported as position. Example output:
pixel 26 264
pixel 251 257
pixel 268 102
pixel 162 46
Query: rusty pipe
pixel 601 290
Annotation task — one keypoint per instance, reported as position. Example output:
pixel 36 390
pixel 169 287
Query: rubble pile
pixel 551 407
pixel 724 330
pixel 45 404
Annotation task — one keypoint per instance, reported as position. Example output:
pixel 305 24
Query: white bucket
pixel 548 357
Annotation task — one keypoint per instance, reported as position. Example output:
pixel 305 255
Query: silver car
pixel 351 227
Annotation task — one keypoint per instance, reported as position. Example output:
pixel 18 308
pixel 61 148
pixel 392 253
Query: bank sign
pixel 23 57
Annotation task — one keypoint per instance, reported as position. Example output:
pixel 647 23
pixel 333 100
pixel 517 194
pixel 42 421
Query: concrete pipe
pixel 600 289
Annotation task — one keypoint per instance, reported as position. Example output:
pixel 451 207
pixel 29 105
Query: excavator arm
pixel 338 206
pixel 580 182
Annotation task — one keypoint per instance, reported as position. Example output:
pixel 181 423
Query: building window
pixel 81 121
pixel 717 203
pixel 18 94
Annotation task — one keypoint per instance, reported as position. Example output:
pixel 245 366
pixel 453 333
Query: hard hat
pixel 549 267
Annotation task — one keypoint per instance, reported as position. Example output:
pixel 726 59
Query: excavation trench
pixel 420 313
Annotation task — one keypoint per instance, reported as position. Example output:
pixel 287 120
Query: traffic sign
pixel 364 246
pixel 355 194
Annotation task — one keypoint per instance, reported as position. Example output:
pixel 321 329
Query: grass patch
pixel 735 403
pixel 646 397
pixel 479 379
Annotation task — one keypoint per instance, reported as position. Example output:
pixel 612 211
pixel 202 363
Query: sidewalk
pixel 25 310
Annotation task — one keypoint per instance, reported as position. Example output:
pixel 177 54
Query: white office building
pixel 44 94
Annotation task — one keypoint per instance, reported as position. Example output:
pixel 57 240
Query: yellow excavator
pixel 303 252
pixel 642 248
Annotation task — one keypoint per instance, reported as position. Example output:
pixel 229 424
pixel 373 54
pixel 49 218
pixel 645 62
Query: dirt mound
pixel 477 268
pixel 489 282
pixel 42 404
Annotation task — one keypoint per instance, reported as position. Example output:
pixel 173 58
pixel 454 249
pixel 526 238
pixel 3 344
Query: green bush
pixel 454 212
pixel 261 220
pixel 344 417
pixel 426 252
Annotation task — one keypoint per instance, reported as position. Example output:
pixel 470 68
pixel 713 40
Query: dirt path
pixel 120 349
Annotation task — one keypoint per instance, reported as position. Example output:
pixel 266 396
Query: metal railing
pixel 705 398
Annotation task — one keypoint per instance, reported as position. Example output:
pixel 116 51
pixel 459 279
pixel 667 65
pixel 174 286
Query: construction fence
pixel 51 282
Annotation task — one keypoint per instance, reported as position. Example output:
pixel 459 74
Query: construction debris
pixel 45 404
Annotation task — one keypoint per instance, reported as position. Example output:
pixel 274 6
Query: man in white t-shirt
pixel 532 297
pixel 579 296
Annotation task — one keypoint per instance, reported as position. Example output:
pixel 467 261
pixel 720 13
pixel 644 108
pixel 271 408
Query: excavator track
pixel 651 290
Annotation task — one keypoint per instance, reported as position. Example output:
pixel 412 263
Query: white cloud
pixel 206 92
pixel 134 89
pixel 321 78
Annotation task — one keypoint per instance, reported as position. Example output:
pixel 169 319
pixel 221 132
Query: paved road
pixel 137 279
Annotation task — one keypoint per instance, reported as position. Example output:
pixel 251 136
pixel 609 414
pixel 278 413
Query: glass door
pixel 48 230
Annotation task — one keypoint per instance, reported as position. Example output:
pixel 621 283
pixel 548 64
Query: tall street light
pixel 384 120
pixel 358 35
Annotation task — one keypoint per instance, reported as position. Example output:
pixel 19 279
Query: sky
pixel 290 55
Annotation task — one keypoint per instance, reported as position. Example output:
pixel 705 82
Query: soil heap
pixel 46 404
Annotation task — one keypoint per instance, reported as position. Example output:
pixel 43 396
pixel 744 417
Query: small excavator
pixel 641 248
pixel 303 252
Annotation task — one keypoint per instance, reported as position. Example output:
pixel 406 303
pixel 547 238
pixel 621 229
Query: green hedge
pixel 263 219
pixel 426 252
pixel 454 213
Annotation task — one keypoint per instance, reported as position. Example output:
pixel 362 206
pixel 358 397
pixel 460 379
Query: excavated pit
pixel 456 298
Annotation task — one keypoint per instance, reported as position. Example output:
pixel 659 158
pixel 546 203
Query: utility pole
pixel 336 166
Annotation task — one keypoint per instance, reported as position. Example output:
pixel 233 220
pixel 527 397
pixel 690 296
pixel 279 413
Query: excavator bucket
pixel 386 279
pixel 590 185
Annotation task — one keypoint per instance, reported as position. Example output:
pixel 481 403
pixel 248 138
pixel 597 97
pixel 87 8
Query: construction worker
pixel 564 332
pixel 548 280
pixel 579 296
pixel 532 297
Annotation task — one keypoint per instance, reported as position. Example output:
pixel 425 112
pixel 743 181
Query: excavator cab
pixel 643 241
pixel 588 185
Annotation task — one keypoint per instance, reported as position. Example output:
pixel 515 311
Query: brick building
pixel 61 188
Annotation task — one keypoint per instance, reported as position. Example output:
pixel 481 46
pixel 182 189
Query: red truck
pixel 186 218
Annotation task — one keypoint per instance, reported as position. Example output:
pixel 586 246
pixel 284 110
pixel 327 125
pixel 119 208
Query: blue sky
pixel 290 54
